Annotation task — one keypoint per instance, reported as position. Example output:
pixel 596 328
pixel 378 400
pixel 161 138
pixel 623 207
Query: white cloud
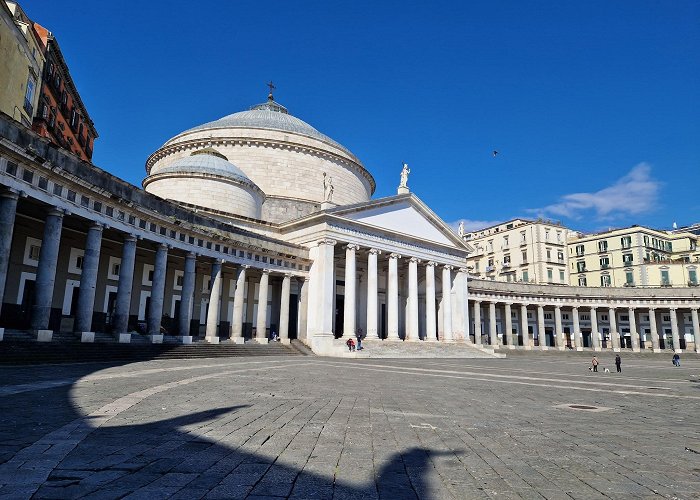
pixel 635 193
pixel 472 225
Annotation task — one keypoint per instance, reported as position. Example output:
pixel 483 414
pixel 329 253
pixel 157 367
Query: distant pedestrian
pixel 594 364
pixel 351 345
pixel 358 333
pixel 676 360
pixel 618 363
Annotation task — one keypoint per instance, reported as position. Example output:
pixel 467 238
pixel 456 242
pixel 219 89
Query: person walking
pixel 358 333
pixel 618 363
pixel 676 360
pixel 594 363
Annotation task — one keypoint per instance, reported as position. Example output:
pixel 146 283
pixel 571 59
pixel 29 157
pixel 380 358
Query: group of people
pixel 352 347
pixel 618 362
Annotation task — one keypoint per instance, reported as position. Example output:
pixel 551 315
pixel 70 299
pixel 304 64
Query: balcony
pixel 506 265
pixel 693 283
pixel 490 269
pixel 603 250
pixel 628 263
pixel 629 284
pixel 605 266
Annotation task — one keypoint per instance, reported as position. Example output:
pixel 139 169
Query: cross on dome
pixel 272 87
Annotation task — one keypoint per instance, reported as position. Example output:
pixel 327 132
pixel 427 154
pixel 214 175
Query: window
pixel 547 315
pixel 646 241
pixel 629 277
pixel 152 227
pixel 489 246
pixel 34 252
pixel 29 96
pixel 57 189
pixel 75 261
pixel 562 276
pixel 549 254
pixel 11 168
pixel 71 195
pixel 109 211
pixel 28 176
pixel 550 276
pixel 627 259
pixel 142 223
pixel 490 262
pixel 506 259
pixel 605 280
pixel 564 315
pixel 84 201
pixel 579 250
pixel 114 268
pixel 665 280
pixel 546 235
pixel 603 246
pixel 559 237
pixel 626 241
pixel 132 220
pixel 526 277
pixel 524 257
pixel 505 242
pixel 604 262
pixel 581 266
pixel 692 277
pixel 523 240
pixel 97 206
pixel 582 281
pixel 43 183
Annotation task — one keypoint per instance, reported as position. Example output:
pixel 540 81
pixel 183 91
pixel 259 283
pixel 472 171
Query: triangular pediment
pixel 403 215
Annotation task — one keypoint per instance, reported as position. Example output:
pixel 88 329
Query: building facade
pixel 520 250
pixel 61 115
pixel 85 252
pixel 635 256
pixel 21 63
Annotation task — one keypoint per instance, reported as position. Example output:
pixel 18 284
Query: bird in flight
pixel 495 153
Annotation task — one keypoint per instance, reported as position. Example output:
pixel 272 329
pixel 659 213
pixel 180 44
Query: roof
pixel 207 163
pixel 269 116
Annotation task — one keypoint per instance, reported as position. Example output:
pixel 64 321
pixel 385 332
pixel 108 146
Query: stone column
pixel 696 328
pixel 88 281
pixel 430 317
pixel 350 303
pixel 634 334
pixel 8 209
pixel 578 336
pixel 284 308
pixel 155 308
pixel 238 304
pixel 186 297
pixel 122 305
pixel 393 298
pixel 674 330
pixel 372 294
pixel 595 335
pixel 614 334
pixel 477 322
pixel 447 304
pixel 540 328
pixel 653 331
pixel 412 332
pixel 46 275
pixel 304 309
pixel 214 310
pixel 493 332
pixel 559 340
pixel 523 327
pixel 509 325
pixel 261 320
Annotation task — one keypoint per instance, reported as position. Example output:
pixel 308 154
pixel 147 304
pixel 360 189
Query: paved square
pixel 326 428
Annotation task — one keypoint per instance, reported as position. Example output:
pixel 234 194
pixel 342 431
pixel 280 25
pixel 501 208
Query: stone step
pixel 419 349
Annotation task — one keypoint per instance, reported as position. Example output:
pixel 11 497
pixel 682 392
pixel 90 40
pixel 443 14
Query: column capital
pixel 414 260
pixel 97 225
pixel 557 307
pixel 593 308
pixel 476 301
pixel 394 256
pixel 463 270
pixel 448 267
pixel 673 308
pixel 431 263
pixel 540 307
pixel 129 238
pixel 327 241
pixel 266 271
pixel 352 246
pixel 10 193
pixel 287 276
pixel 651 309
pixel 57 212
pixel 191 255
pixel 164 245
pixel 374 251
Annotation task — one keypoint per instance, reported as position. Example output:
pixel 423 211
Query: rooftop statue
pixel 327 187
pixel 404 176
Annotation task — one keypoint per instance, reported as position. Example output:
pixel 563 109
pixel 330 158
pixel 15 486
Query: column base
pixel 261 340
pixel 527 347
pixel 560 348
pixel 185 339
pixel 211 340
pixel 2 334
pixel 578 349
pixel 510 346
pixel 412 340
pixel 616 349
pixel 237 340
pixel 597 349
pixel 544 348
pixel 430 339
pixel 285 341
pixel 656 350
pixel 43 335
pixel 124 338
pixel 393 339
pixel 87 337
pixel 678 351
pixel 445 340
pixel 156 338
pixel 636 349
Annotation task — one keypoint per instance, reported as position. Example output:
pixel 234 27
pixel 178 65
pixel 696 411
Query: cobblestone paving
pixel 334 428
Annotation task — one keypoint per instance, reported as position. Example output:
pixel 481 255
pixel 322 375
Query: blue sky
pixel 593 106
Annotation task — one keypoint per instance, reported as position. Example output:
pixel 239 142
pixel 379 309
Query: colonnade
pixel 575 339
pixel 403 273
pixel 48 263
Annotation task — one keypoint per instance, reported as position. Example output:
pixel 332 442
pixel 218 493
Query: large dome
pixel 284 156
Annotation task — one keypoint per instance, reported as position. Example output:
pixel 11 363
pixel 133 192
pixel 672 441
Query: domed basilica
pixel 257 226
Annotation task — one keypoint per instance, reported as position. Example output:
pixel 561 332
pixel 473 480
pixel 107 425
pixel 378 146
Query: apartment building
pixel 634 256
pixel 520 250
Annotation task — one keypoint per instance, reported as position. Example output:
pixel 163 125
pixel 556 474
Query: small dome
pixel 205 162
